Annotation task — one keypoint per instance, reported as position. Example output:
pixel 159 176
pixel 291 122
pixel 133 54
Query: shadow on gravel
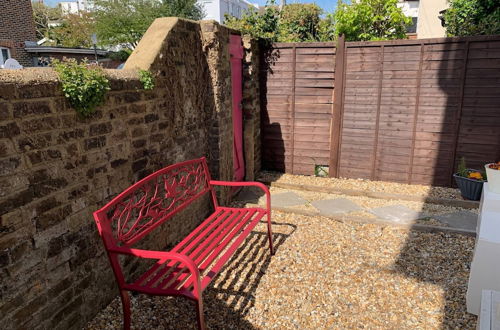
pixel 241 276
pixel 441 259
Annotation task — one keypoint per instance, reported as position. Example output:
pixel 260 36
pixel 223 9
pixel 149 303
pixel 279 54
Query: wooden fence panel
pixel 402 110
pixel 298 100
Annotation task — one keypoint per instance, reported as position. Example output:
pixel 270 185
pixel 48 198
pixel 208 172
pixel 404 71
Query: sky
pixel 327 5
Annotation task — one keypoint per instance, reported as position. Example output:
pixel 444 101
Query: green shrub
pixel 472 17
pixel 146 79
pixel 121 55
pixel 84 85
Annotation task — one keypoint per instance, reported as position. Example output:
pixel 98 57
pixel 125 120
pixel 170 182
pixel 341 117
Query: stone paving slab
pixel 459 219
pixel 397 213
pixel 336 206
pixel 285 199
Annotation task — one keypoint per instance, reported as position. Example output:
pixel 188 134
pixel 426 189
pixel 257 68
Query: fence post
pixel 415 113
pixel 377 122
pixel 458 118
pixel 337 108
pixel 294 69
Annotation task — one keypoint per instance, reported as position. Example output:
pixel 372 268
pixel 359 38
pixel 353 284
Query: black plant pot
pixel 470 189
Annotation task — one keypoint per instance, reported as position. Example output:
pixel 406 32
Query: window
pixel 4 55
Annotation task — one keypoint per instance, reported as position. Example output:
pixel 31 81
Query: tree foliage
pixel 257 24
pixel 42 17
pixel 472 17
pixel 360 20
pixel 371 20
pixel 294 23
pixel 124 22
pixel 73 31
pixel 299 22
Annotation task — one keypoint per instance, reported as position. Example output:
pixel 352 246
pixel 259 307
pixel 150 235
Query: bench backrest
pixel 151 201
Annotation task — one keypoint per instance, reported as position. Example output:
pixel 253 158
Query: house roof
pixel 65 50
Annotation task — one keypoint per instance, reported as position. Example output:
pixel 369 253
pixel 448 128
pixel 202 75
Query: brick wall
pixel 215 42
pixel 251 108
pixel 16 27
pixel 57 168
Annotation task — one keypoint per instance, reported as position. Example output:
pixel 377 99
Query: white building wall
pixel 69 7
pixel 429 24
pixel 410 8
pixel 216 9
pixel 211 8
pixel 75 7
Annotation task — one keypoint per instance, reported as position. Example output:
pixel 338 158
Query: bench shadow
pixel 227 300
pixel 238 282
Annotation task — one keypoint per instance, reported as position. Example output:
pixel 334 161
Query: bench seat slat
pixel 204 246
pixel 205 227
pixel 205 237
pixel 234 246
pixel 211 252
pixel 161 262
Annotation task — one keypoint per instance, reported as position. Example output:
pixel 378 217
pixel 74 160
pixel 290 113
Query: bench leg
pixel 126 309
pixel 199 313
pixel 270 233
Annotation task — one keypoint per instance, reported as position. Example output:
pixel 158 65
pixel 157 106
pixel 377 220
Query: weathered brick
pixel 100 129
pixel 67 310
pixel 40 124
pixel 9 130
pixel 7 306
pixel 117 162
pixel 35 157
pixel 34 142
pixel 15 200
pixel 39 176
pixel 78 192
pixel 5 113
pixel 141 143
pixel 96 142
pixel 17 252
pixel 52 217
pixel 56 245
pixel 9 165
pixel 24 109
pixel 135 121
pixel 138 132
pixel 139 164
pixel 46 187
pixel 25 313
pixel 91 173
pixel 4 258
pixel 151 117
pixel 6 148
pixel 70 135
pixel 46 205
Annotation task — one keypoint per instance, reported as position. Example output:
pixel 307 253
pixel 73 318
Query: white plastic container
pixel 493 179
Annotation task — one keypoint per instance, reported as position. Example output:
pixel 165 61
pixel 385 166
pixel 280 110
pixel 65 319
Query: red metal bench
pixel 188 268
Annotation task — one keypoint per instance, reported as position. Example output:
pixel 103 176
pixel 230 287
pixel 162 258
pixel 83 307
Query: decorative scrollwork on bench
pixel 156 200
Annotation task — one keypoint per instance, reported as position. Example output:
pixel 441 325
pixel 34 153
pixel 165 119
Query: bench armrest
pixel 246 184
pixel 162 255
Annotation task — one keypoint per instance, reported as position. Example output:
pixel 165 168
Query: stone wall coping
pixel 29 76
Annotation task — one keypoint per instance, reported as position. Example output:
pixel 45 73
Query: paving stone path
pixel 397 213
pixel 330 207
pixel 336 206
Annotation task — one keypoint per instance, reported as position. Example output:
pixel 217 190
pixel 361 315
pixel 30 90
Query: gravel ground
pixel 362 184
pixel 325 274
